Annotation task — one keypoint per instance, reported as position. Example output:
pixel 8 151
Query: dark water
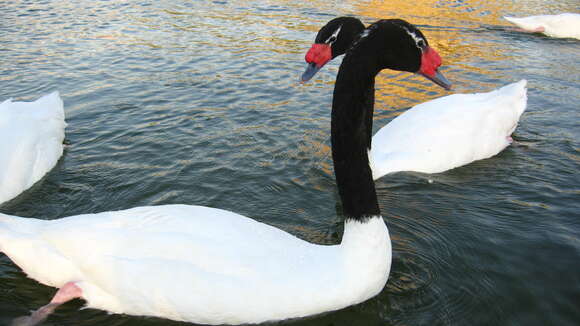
pixel 197 102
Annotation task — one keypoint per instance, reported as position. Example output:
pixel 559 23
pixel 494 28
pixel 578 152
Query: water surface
pixel 197 102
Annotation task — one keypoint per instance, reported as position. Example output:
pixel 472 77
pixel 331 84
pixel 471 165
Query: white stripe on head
pixel 419 41
pixel 334 35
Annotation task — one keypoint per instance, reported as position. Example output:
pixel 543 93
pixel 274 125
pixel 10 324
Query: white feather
pixel 448 132
pixel 31 136
pixel 333 36
pixel 562 25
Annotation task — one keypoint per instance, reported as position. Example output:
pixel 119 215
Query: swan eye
pixel 421 44
pixel 331 39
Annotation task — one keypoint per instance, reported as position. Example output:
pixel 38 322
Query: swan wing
pixel 449 131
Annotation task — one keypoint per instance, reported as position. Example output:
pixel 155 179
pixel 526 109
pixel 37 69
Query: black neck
pixel 351 134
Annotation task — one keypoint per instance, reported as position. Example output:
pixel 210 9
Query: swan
pixel 437 135
pixel 31 136
pixel 211 266
pixel 562 25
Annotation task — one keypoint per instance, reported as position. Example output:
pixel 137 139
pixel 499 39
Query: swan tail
pixel 49 110
pixel 526 24
pixel 514 101
pixel 50 148
pixel 7 225
pixel 6 232
pixel 22 241
pixel 51 106
pixel 14 229
pixel 517 94
pixel 514 20
pixel 36 132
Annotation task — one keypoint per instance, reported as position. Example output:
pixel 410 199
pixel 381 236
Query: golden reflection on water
pixel 440 13
pixel 462 32
pixel 449 27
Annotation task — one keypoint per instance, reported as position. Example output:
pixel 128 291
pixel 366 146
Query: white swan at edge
pixel 31 136
pixel 565 25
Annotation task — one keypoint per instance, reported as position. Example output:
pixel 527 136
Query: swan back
pixel 448 132
pixel 562 25
pixel 31 136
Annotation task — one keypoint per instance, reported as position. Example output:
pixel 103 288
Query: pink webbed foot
pixel 509 139
pixel 68 292
pixel 538 30
pixel 532 30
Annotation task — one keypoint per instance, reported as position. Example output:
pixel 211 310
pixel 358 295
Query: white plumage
pixel 199 264
pixel 31 136
pixel 448 132
pixel 562 25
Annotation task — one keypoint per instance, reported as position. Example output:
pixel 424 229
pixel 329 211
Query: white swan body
pixel 448 132
pixel 199 264
pixel 31 136
pixel 562 25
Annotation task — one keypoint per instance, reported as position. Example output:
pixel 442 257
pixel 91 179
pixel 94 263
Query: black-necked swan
pixel 562 25
pixel 211 266
pixel 31 136
pixel 437 135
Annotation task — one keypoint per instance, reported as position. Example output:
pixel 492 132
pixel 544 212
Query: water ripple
pixel 198 102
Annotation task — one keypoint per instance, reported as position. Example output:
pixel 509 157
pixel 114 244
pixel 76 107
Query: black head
pixel 332 40
pixel 339 34
pixel 402 47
